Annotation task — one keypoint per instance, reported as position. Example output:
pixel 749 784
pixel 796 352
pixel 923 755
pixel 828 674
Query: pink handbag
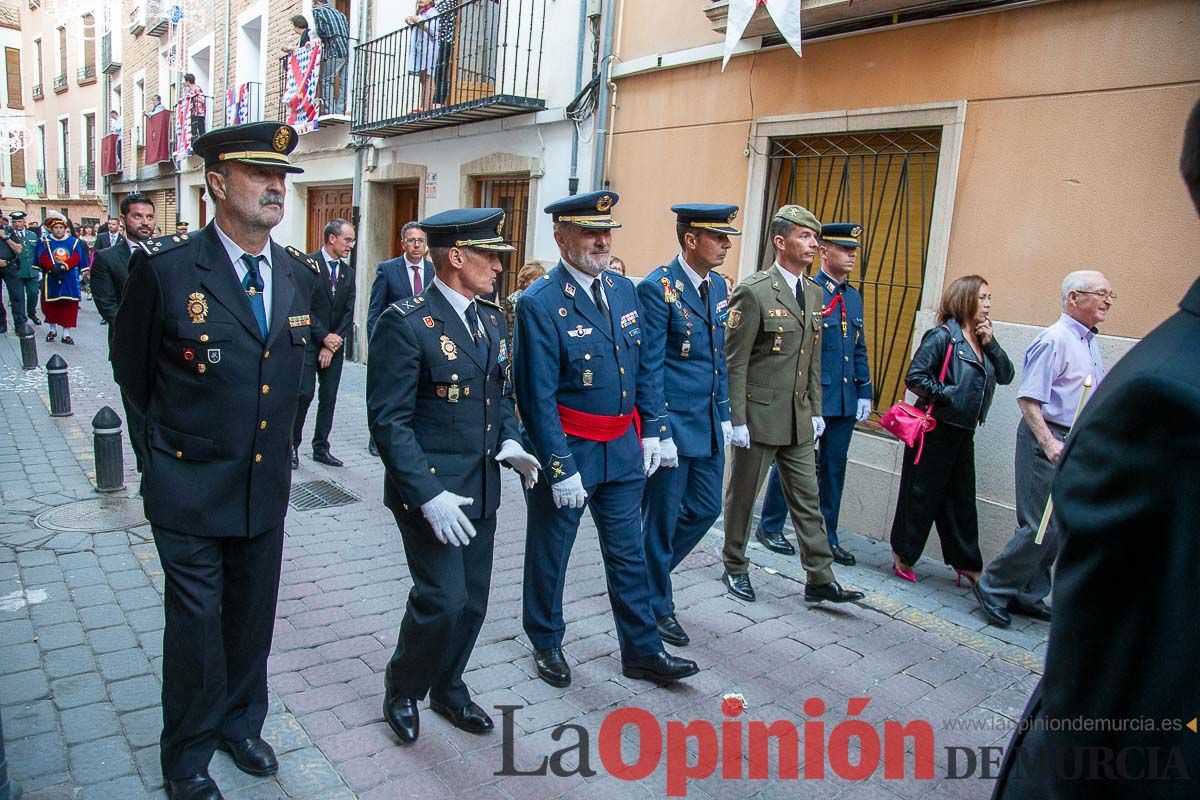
pixel 908 423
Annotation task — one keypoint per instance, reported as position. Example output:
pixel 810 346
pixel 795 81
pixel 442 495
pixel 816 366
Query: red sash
pixel 598 427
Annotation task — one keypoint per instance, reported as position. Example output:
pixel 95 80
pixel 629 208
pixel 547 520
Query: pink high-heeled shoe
pixel 959 574
pixel 907 573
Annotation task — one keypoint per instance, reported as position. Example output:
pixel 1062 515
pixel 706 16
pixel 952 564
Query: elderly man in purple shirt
pixel 1056 365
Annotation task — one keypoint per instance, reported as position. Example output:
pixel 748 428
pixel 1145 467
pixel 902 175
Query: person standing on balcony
pixel 447 19
pixel 334 33
pixel 423 49
pixel 155 106
pixel 300 28
pixel 193 95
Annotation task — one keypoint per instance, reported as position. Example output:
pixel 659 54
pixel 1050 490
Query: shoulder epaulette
pixel 408 305
pixel 537 286
pixel 161 244
pixel 311 263
pixel 487 302
pixel 757 277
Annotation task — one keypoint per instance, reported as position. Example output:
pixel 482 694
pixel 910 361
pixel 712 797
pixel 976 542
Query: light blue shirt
pixel 1056 364
pixel 235 253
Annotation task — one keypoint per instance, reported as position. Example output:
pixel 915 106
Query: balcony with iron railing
pixel 404 81
pixel 244 103
pixel 40 185
pixel 110 61
pixel 311 97
pixel 64 181
pixel 38 92
pixel 87 180
pixel 85 74
pixel 60 84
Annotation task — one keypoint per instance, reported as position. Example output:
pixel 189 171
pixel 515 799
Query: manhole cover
pixel 94 516
pixel 319 494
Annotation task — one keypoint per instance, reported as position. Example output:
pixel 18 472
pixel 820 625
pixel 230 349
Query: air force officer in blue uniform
pixel 683 326
pixel 846 390
pixel 581 388
pixel 442 416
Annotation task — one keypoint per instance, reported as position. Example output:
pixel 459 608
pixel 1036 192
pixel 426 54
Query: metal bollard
pixel 110 464
pixel 60 387
pixel 29 359
pixel 9 790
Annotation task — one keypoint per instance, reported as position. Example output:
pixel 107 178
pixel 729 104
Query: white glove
pixel 569 493
pixel 727 431
pixel 514 455
pixel 739 436
pixel 651 455
pixel 450 525
pixel 818 427
pixel 670 454
pixel 864 409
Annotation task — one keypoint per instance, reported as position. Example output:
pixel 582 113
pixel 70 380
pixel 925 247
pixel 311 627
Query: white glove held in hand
pixel 569 493
pixel 727 431
pixel 864 409
pixel 818 427
pixel 739 436
pixel 450 525
pixel 670 454
pixel 514 455
pixel 651 455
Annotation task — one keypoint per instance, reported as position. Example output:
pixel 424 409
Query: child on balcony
pixel 423 50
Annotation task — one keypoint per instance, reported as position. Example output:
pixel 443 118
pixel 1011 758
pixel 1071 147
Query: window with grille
pixel 883 180
pixel 511 194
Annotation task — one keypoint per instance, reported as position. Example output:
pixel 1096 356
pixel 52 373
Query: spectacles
pixel 1110 296
pixel 414 241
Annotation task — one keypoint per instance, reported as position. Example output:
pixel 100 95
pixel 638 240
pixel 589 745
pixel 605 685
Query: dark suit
pixel 1122 646
pixel 332 312
pixel 392 284
pixel 438 416
pixel 105 239
pixel 218 403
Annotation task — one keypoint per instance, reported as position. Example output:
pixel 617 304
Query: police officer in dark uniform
pixel 846 390
pixel 208 345
pixel 579 380
pixel 440 410
pixel 683 328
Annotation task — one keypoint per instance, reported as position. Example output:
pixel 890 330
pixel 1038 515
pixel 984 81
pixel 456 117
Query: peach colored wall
pixel 1069 158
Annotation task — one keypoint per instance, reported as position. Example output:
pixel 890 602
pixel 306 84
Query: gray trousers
pixel 1021 573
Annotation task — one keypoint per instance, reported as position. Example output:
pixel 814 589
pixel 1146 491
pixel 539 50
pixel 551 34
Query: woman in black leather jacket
pixel 941 488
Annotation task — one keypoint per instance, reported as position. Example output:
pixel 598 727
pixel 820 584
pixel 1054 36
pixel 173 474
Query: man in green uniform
pixel 29 276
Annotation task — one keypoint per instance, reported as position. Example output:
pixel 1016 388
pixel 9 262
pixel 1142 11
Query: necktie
pixel 416 280
pixel 704 295
pixel 800 293
pixel 333 268
pixel 598 297
pixel 253 284
pixel 481 345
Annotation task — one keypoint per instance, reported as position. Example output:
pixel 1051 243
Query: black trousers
pixel 442 74
pixel 16 299
pixel 445 610
pixel 325 382
pixel 940 490
pixel 135 428
pixel 220 615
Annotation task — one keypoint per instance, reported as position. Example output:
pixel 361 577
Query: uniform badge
pixel 587 377
pixel 556 469
pixel 494 320
pixel 298 321
pixel 428 322
pixel 686 349
pixel 282 137
pixel 449 349
pixel 441 391
pixel 608 280
pixel 579 332
pixel 503 356
pixel 678 286
pixel 734 319
pixel 777 346
pixel 569 289
pixel 604 203
pixel 189 354
pixel 830 287
pixel 452 393
pixel 214 355
pixel 197 307
pixel 200 368
pixel 562 312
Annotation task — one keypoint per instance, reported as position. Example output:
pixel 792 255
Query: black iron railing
pixel 477 60
pixel 38 93
pixel 64 181
pixel 87 180
pixel 109 61
pixel 41 182
pixel 330 90
pixel 244 103
pixel 60 83
pixel 85 74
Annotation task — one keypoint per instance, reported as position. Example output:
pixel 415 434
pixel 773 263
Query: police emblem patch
pixel 604 203
pixel 735 318
pixel 197 307
pixel 428 321
pixel 282 137
pixel 449 349
pixel 214 355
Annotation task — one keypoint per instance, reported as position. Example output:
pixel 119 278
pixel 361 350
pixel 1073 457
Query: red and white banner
pixel 300 92
pixel 785 13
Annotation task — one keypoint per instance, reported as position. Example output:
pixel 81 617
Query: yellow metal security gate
pixel 883 180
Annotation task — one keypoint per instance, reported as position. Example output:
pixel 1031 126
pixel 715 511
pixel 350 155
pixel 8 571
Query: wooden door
pixel 325 204
pixel 404 211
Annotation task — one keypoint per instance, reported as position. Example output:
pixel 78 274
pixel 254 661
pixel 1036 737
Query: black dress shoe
pixel 739 586
pixel 832 591
pixel 1038 611
pixel 671 632
pixel 252 756
pixel 993 613
pixel 372 449
pixel 775 542
pixel 295 457
pixel 552 667
pixel 659 667
pixel 323 457
pixel 843 556
pixel 36 321
pixel 470 718
pixel 400 713
pixel 195 787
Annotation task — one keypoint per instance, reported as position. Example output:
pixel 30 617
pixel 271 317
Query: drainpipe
pixel 361 146
pixel 573 181
pixel 606 46
pixel 225 85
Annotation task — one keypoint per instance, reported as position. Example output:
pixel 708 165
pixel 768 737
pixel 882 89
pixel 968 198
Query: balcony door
pixel 405 209
pixel 325 204
pixel 473 67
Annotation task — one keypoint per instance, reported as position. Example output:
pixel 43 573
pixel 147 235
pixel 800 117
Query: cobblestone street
pixel 81 639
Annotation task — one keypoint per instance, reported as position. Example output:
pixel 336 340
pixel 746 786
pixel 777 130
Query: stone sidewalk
pixel 81 643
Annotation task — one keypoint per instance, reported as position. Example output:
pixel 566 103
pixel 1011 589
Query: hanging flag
pixel 785 13
pixel 237 104
pixel 183 129
pixel 301 90
pixel 158 134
